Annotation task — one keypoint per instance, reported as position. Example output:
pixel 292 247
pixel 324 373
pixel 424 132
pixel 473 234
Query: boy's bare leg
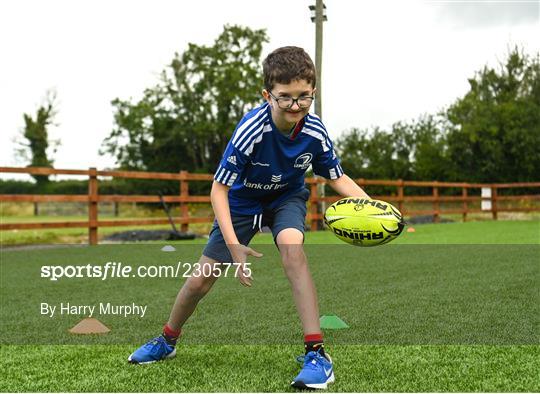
pixel 193 290
pixel 290 244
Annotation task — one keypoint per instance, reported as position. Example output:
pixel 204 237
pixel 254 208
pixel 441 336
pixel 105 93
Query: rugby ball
pixel 364 221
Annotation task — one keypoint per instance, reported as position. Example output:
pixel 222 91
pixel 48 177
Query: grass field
pixel 451 307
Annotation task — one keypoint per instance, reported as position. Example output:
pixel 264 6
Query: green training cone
pixel 332 322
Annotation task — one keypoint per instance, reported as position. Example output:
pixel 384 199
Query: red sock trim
pixel 313 338
pixel 170 332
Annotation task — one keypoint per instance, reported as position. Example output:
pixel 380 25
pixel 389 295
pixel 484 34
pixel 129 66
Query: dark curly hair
pixel 288 64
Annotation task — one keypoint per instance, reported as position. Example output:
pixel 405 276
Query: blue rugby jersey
pixel 263 167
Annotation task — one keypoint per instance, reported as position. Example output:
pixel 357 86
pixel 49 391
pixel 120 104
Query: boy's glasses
pixel 287 102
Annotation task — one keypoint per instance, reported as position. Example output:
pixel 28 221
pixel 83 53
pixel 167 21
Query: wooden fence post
pixel 464 195
pixel 184 192
pixel 436 206
pixel 401 192
pixel 92 207
pixel 314 203
pixel 494 201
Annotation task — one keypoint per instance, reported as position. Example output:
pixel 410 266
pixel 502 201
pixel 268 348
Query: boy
pixel 260 181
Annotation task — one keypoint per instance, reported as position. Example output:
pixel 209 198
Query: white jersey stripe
pixel 244 143
pixel 232 179
pixel 315 119
pixel 321 131
pixel 218 177
pixel 318 136
pixel 247 134
pixel 317 126
pixel 247 124
pixel 251 123
pixel 256 140
pixel 226 177
pixel 315 122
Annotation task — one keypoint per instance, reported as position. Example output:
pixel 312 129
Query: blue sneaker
pixel 316 373
pixel 154 350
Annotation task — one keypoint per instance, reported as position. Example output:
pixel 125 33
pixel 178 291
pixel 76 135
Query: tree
pixel 495 131
pixel 185 121
pixel 409 151
pixel 366 154
pixel 429 159
pixel 37 147
pixel 491 134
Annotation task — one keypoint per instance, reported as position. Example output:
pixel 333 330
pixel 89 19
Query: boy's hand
pixel 239 255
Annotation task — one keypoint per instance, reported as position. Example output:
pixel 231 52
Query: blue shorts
pixel 290 214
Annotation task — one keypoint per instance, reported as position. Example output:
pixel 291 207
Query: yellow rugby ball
pixel 364 221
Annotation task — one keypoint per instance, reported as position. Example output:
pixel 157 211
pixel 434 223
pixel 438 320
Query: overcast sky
pixel 383 61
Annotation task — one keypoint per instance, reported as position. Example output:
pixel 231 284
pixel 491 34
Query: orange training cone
pixel 89 325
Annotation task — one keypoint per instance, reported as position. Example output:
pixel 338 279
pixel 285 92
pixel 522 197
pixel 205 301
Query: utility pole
pixel 318 16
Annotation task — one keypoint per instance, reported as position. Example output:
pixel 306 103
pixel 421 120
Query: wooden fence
pixel 93 198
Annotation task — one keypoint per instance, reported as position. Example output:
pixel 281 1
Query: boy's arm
pixel 219 197
pixel 346 187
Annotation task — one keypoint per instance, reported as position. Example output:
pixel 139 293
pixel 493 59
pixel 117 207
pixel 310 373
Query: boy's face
pixel 283 117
